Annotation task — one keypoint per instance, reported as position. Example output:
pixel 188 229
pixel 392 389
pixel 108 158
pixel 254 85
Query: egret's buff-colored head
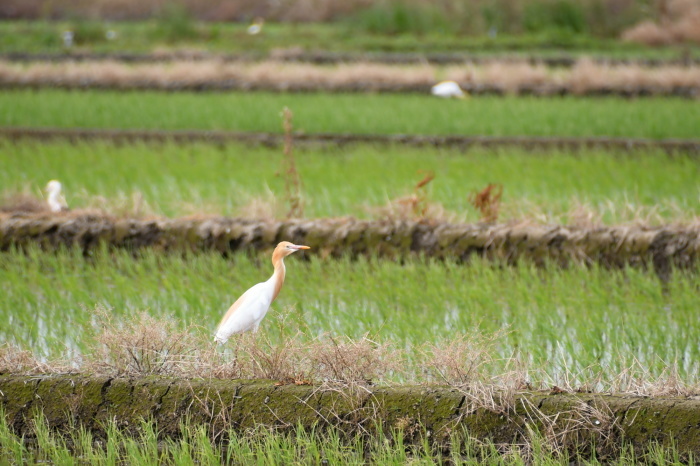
pixel 284 249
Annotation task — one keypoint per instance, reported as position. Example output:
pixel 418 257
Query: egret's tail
pixel 219 339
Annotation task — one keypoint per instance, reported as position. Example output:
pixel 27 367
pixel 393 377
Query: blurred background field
pixel 409 25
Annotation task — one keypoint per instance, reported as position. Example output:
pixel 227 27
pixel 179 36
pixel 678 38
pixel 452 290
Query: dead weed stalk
pixel 487 201
pixel 416 206
pixel 290 174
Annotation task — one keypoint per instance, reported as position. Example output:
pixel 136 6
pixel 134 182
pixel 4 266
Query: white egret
pixel 448 89
pixel 250 309
pixel 67 39
pixel 256 27
pixel 55 200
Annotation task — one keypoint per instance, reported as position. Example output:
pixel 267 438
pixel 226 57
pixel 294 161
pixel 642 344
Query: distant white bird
pixel 250 309
pixel 67 39
pixel 448 89
pixel 256 26
pixel 111 34
pixel 55 200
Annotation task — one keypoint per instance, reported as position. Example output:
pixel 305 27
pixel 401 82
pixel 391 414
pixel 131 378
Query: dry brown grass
pixel 22 203
pixel 467 362
pixel 586 76
pixel 145 345
pixel 142 345
pixel 27 200
pixel 584 214
pixel 15 360
pixel 266 207
pixel 679 22
pixel 593 425
pixel 344 361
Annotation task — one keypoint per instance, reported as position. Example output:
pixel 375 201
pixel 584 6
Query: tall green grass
pixel 354 113
pixel 571 319
pixel 181 179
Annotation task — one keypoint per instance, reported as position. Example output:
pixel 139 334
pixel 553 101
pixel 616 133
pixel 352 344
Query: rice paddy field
pixel 580 326
pixel 654 118
pixel 176 180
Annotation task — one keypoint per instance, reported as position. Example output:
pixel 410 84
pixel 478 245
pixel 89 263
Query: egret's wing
pixel 245 312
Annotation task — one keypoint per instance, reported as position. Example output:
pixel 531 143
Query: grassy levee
pixel 655 118
pixel 662 248
pixel 586 78
pixel 586 424
pixel 338 140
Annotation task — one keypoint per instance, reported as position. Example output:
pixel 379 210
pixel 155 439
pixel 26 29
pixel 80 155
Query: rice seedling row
pixel 365 181
pixel 358 114
pixel 572 319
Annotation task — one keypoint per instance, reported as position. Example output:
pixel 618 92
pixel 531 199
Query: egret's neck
pixel 53 195
pixel 278 275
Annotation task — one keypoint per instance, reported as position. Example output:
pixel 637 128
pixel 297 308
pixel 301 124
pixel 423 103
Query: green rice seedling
pixel 589 325
pixel 174 180
pixel 12 448
pixel 292 446
pixel 654 118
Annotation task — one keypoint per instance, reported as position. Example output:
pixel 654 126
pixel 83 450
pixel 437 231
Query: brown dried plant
pixel 258 356
pixel 15 360
pixel 678 22
pixel 466 362
pixel 344 361
pixel 416 206
pixel 141 345
pixel 23 202
pixel 290 174
pixel 586 424
pixel 487 201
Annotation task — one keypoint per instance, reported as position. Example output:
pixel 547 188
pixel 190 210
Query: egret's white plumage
pixel 448 89
pixel 55 199
pixel 256 27
pixel 250 309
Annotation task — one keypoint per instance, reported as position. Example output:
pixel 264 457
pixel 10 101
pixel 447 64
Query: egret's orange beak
pixel 302 247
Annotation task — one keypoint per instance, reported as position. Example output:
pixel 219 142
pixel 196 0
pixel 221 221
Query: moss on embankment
pixel 581 421
pixel 616 246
